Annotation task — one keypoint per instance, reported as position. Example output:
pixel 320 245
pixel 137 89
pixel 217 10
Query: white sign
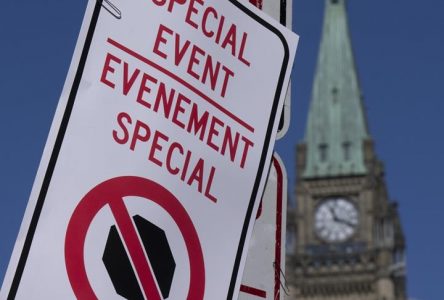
pixel 264 271
pixel 158 154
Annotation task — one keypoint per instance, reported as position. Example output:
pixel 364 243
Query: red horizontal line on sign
pixel 183 82
pixel 253 291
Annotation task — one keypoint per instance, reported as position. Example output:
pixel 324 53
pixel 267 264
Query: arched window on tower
pixel 346 147
pixel 323 152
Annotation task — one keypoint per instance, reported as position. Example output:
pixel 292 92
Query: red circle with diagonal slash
pixel 112 192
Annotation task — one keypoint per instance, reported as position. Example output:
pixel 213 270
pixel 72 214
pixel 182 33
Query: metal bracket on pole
pixel 112 9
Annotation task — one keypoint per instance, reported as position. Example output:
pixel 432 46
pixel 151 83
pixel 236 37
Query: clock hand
pixel 346 222
pixel 340 220
pixel 332 211
pixel 337 219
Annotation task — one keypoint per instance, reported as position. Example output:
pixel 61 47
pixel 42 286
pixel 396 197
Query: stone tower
pixel 349 243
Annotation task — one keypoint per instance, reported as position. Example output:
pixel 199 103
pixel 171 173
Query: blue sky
pixel 399 49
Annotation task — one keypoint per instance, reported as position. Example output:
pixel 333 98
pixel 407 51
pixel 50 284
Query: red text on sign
pixel 213 25
pixel 198 63
pixel 183 112
pixel 166 153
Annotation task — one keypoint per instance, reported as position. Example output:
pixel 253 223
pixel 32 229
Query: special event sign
pixel 158 154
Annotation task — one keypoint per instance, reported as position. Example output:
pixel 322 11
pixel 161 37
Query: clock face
pixel 336 220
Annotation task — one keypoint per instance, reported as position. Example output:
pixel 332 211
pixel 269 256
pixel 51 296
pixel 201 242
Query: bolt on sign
pixel 157 156
pixel 264 271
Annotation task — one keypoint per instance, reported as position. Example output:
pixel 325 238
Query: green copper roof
pixel 336 125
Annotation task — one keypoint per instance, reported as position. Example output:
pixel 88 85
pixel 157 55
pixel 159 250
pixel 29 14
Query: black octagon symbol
pixel 119 267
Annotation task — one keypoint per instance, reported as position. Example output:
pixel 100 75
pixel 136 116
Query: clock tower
pixel 348 239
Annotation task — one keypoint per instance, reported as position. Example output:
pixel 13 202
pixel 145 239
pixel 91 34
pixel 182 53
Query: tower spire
pixel 337 125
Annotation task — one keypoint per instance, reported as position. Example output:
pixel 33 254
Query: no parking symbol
pixel 153 281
